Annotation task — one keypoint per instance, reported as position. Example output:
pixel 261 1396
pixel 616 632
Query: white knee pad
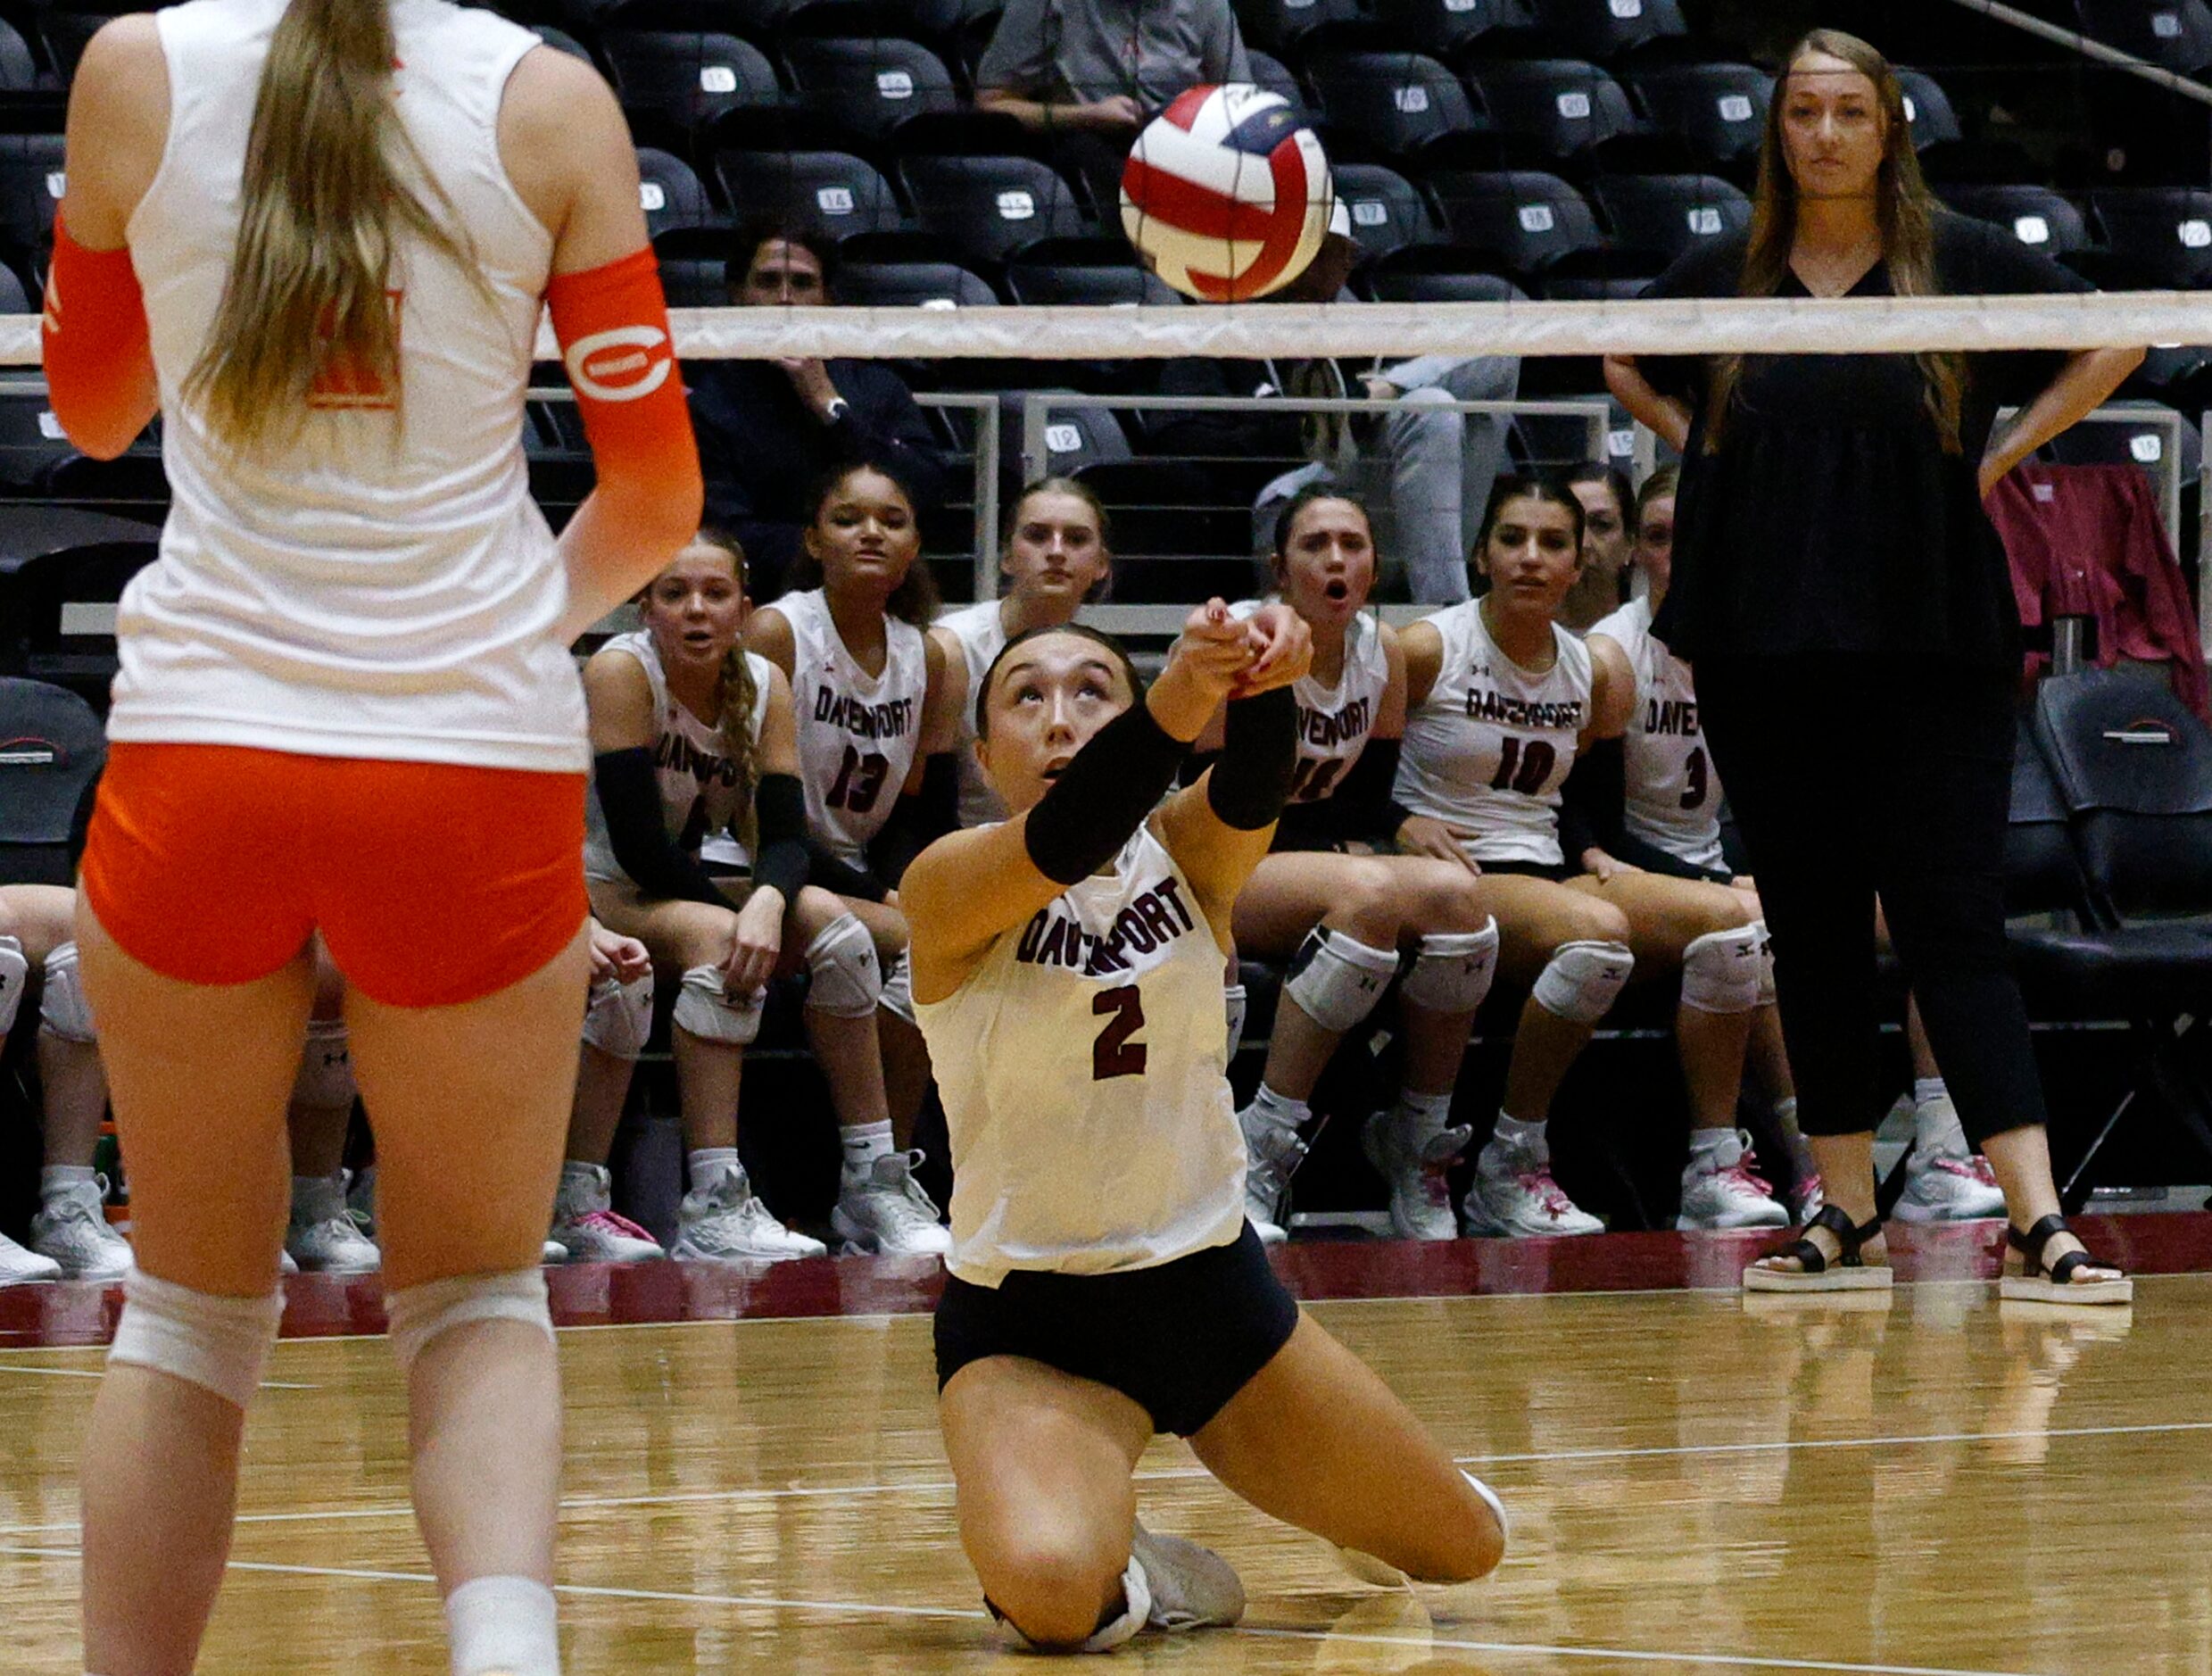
pixel 1336 980
pixel 1583 980
pixel 325 1078
pixel 1721 971
pixel 619 1016
pixel 420 1313
pixel 1765 963
pixel 219 1344
pixel 14 979
pixel 844 979
pixel 899 988
pixel 63 1008
pixel 703 1006
pixel 1451 972
pixel 1233 1004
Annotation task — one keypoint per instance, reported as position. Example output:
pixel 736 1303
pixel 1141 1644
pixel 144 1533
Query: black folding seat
pixel 693 282
pixel 1526 220
pixel 1394 105
pixel 32 182
pixel 869 87
pixel 1095 285
pixel 1718 111
pixel 2175 34
pixel 1928 110
pixel 2156 238
pixel 989 207
pixel 939 285
pixel 690 80
pixel 1386 210
pixel 1661 216
pixel 64 603
pixel 561 41
pixel 65 34
pixel 1284 26
pixel 2145 442
pixel 673 198
pixel 32 445
pixel 2043 220
pixel 1415 281
pixel 1606 29
pixel 832 193
pixel 1274 76
pixel 14 296
pixel 52 749
pixel 1444 28
pixel 1549 111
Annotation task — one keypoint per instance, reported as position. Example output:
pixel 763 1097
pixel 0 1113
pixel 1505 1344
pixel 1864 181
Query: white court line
pixel 931 1487
pixel 101 1373
pixel 852 1608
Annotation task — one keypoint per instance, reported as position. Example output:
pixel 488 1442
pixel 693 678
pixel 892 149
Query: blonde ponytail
pixel 307 299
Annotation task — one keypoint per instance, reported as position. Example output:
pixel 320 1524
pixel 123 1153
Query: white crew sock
pixel 318 1197
pixel 1513 1141
pixel 708 1163
pixel 864 1144
pixel 1279 1110
pixel 56 1179
pixel 1935 1120
pixel 506 1625
pixel 1421 1118
pixel 1704 1142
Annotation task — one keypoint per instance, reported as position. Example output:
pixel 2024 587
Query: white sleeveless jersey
pixel 370 592
pixel 701 804
pixel 982 637
pixel 857 732
pixel 1081 1070
pixel 1491 745
pixel 1335 722
pixel 1673 796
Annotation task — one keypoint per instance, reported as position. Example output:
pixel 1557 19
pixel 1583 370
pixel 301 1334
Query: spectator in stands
pixel 1337 915
pixel 1840 589
pixel 769 429
pixel 873 694
pixel 70 1235
pixel 1054 557
pixel 1091 73
pixel 1609 530
pixel 1500 701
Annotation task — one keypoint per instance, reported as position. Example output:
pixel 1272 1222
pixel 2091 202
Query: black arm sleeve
pixel 780 809
pixel 918 821
pixel 622 782
pixel 838 875
pixel 1102 797
pixel 1259 757
pixel 1593 799
pixel 1360 806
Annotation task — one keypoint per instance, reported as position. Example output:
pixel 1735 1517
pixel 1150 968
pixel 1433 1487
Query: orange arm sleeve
pixel 98 360
pixel 612 325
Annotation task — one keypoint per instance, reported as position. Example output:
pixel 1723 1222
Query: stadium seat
pixel 1606 29
pixel 2155 237
pixel 52 749
pixel 689 79
pixel 1928 110
pixel 673 198
pixel 1284 26
pixel 832 193
pixel 2046 220
pixel 1414 281
pixel 62 605
pixel 1096 285
pixel 989 207
pixel 1444 28
pixel 1661 216
pixel 1387 210
pixel 929 285
pixel 1273 75
pixel 869 87
pixel 32 445
pixel 1717 111
pixel 1393 104
pixel 1525 221
pixel 561 41
pixel 2144 442
pixel 31 185
pixel 1550 111
pixel 15 297
pixel 1075 437
pixel 64 34
pixel 2175 34
pixel 693 282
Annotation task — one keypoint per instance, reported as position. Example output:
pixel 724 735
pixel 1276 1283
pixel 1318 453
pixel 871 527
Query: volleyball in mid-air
pixel 1227 193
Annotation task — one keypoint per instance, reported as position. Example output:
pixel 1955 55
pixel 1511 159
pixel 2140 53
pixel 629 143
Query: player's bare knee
pixel 1367 904
pixel 1052 1584
pixel 1444 897
pixel 814 910
pixel 1594 921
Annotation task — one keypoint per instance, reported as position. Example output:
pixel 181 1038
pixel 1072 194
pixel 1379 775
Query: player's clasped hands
pixel 1235 657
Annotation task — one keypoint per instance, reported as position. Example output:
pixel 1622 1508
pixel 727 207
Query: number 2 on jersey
pixel 860 781
pixel 1524 771
pixel 1114 1054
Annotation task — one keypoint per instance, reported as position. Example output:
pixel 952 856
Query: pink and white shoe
pixel 1942 1187
pixel 1514 1196
pixel 1721 1190
pixel 585 1224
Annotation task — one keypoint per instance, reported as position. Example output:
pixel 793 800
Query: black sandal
pixel 2054 1283
pixel 1848 1272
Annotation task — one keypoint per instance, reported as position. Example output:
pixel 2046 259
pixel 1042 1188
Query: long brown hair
pixel 1905 210
pixel 331 180
pixel 739 694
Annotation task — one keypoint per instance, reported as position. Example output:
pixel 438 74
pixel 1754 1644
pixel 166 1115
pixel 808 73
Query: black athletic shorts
pixel 1558 872
pixel 1180 1340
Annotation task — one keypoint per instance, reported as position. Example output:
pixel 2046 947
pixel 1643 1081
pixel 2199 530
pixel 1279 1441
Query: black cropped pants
pixel 1854 777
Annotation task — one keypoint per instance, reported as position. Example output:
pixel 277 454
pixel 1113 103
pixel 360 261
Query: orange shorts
pixel 432 884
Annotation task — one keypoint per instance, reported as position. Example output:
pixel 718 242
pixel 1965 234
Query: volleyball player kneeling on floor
pixel 1105 1283
pixel 1500 699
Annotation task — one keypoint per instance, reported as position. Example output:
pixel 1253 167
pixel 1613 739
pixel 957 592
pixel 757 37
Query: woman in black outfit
pixel 1848 608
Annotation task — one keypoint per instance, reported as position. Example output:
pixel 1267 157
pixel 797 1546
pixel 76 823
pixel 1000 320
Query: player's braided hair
pixel 739 694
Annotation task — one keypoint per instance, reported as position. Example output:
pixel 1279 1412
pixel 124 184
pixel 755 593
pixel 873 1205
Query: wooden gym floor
pixel 1698 1482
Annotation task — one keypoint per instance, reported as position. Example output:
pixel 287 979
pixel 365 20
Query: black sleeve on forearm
pixel 780 814
pixel 1652 858
pixel 839 876
pixel 919 820
pixel 1259 758
pixel 622 782
pixel 1592 801
pixel 1360 806
pixel 1102 797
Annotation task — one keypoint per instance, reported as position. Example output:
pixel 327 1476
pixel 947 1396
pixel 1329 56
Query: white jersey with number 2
pixel 856 731
pixel 1081 1065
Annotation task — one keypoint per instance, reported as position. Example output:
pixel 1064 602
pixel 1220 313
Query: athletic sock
pixel 1514 1139
pixel 1801 1163
pixel 1703 1142
pixel 58 1178
pixel 507 1624
pixel 318 1197
pixel 864 1144
pixel 1421 1118
pixel 709 1163
pixel 1279 1110
pixel 1936 1123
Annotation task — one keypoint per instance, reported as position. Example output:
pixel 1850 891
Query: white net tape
pixel 1258 331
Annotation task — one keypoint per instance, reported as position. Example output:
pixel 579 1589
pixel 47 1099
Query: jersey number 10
pixel 860 781
pixel 1524 771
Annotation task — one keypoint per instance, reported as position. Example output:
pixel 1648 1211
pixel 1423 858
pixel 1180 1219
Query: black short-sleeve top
pixel 1830 517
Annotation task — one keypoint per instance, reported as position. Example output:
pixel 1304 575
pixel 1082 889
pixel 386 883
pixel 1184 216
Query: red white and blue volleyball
pixel 1227 193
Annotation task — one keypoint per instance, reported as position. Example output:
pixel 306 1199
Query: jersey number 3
pixel 860 781
pixel 1114 1054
